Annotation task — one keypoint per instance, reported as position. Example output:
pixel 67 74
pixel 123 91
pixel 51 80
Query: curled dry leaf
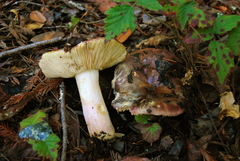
pixel 152 41
pixel 227 106
pixel 33 26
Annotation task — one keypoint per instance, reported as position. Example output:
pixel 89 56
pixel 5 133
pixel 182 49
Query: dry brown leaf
pixel 227 106
pixel 47 36
pixel 104 5
pixel 124 36
pixel 152 41
pixel 187 77
pixel 33 26
pixel 37 17
pixel 15 12
pixel 3 45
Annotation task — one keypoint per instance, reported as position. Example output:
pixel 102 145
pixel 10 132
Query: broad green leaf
pixel 188 12
pixel 154 127
pixel 119 19
pixel 169 9
pixel 150 4
pixel 179 2
pixel 151 132
pixel 34 119
pixel 233 41
pixel 222 59
pixel 47 148
pixel 142 118
pixel 225 23
pixel 200 34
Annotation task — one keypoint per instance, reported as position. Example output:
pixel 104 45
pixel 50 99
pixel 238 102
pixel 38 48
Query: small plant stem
pixel 63 119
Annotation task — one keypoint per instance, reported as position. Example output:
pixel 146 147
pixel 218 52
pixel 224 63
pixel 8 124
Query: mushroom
pixel 84 62
pixel 149 82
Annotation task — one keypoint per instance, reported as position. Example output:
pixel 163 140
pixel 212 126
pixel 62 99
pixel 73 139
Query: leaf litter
pixel 208 129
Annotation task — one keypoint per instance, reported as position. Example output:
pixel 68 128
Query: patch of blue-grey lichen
pixel 39 131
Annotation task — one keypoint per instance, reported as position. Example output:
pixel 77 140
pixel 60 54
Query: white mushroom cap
pixel 93 54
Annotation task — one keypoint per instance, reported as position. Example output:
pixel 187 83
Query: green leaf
pixel 225 23
pixel 142 118
pixel 119 19
pixel 169 9
pixel 150 4
pixel 179 2
pixel 222 59
pixel 34 119
pixel 74 20
pixel 47 148
pixel 151 132
pixel 200 34
pixel 185 12
pixel 233 41
pixel 195 16
pixel 153 128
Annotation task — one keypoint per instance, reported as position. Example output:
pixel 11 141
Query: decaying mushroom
pixel 149 82
pixel 83 62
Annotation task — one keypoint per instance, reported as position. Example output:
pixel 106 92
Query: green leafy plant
pixel 189 14
pixel 150 130
pixel 120 18
pixel 40 135
pixel 74 22
pixel 220 56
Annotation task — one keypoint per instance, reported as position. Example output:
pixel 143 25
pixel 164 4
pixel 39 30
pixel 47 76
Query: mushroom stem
pixel 94 109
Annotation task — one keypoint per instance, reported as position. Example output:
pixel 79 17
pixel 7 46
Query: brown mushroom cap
pixel 149 82
pixel 93 54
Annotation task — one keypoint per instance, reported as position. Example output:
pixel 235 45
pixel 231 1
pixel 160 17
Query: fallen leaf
pixel 3 44
pixel 227 106
pixel 104 5
pixel 152 41
pixel 151 132
pixel 37 16
pixel 47 36
pixel 187 77
pixel 33 26
pixel 124 36
pixel 15 12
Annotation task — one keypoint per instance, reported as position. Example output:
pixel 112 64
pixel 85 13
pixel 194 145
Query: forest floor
pixel 201 132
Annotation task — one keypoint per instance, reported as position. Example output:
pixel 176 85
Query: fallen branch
pixel 63 118
pixel 30 46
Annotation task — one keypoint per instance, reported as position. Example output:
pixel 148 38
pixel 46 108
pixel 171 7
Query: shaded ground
pixel 197 134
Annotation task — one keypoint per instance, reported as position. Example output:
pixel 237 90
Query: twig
pixel 33 3
pixel 63 119
pixel 30 46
